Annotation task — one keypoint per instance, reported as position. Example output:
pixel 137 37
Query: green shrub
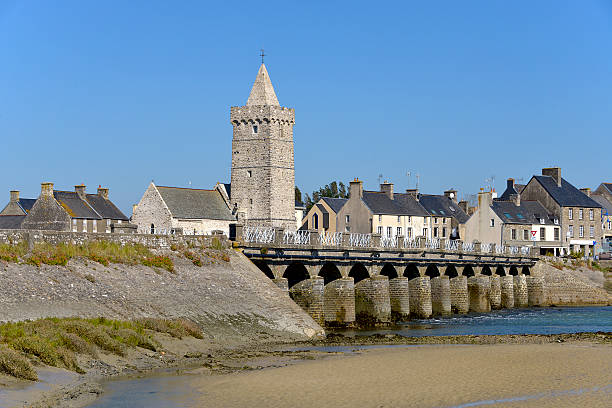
pixel 160 261
pixel 16 365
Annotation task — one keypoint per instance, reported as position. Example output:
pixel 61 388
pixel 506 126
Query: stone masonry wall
pixel 309 295
pixel 420 297
pixel 372 303
pixel 440 295
pixel 459 294
pixel 507 292
pixel 495 294
pixel 339 301
pixel 399 296
pixel 521 298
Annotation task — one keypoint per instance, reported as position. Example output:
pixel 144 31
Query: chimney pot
pixel 586 191
pixel 356 188
pixel 14 196
pixel 103 192
pixel 387 188
pixel 452 194
pixel 554 172
pixel 80 190
pixel 516 199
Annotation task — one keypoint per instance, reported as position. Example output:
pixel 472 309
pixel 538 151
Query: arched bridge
pixel 339 278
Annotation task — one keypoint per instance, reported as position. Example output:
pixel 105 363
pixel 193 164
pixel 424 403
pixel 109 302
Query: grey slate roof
pixel 11 221
pixel 74 206
pixel 105 207
pixel 335 204
pixel 402 204
pixel 509 191
pixel 519 187
pixel 190 203
pixel 27 203
pixel 529 212
pixel 440 205
pixel 608 187
pixel 605 204
pixel 567 195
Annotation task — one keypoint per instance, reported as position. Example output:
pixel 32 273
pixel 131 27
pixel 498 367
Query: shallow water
pixel 174 392
pixel 552 320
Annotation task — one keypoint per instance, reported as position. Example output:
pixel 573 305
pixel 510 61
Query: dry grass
pixel 56 342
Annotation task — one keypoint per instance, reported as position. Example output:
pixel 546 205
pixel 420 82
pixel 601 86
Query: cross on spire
pixel 262 55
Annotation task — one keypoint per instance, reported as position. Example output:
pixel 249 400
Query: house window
pixel 570 213
pixel 347 229
pixel 249 173
pixel 542 234
pixel 380 218
pixel 443 232
pixel 315 221
pixel 379 230
pixel 84 225
pixel 592 231
pixel 95 226
pixel 580 214
pixel 255 129
pixel 347 218
pixel 571 231
pixel 513 233
pixel 426 220
pixel 389 231
pixel 591 215
pixel 492 222
pixel 74 225
pixel 425 232
pixel 409 218
pixel 435 220
pixel 108 225
pixel 399 231
pixel 556 221
pixel 435 232
pixel 409 232
pixel 581 233
pixel 399 218
pixel 557 234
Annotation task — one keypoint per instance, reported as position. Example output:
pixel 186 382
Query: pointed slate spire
pixel 263 91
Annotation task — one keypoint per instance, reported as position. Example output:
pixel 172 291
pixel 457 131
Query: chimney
pixel 554 172
pixel 585 190
pixel 464 206
pixel 80 190
pixel 356 188
pixel 485 199
pixel 516 199
pixel 452 194
pixel 46 189
pixel 103 192
pixel 414 192
pixel 14 196
pixel 387 188
pixel 510 184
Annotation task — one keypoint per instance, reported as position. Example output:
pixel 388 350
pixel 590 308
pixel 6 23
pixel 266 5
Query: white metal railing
pixel 433 243
pixel 513 250
pixel 388 242
pixel 452 245
pixel 467 247
pixel 485 248
pixel 260 235
pixel 330 238
pixel 411 243
pixel 525 250
pixel 500 249
pixel 360 240
pixel 296 238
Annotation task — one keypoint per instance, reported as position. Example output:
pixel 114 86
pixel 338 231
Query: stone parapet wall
pixel 78 238
pixel 372 301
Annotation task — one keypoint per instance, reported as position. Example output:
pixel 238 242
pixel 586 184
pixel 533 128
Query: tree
pixel 298 195
pixel 335 189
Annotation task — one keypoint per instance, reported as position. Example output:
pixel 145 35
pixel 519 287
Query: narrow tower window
pixel 255 129
pixel 249 173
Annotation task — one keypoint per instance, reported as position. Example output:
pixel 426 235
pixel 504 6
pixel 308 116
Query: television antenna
pixel 380 177
pixel 418 177
pixel 490 182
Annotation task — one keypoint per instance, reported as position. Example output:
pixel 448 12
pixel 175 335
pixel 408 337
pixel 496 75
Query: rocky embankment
pixel 229 298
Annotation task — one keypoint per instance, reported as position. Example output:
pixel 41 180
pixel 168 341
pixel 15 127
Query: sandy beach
pixel 508 375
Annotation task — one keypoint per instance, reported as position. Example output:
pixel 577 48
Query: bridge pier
pixel 399 297
pixel 478 288
pixel 521 298
pixel 535 291
pixel 420 297
pixel 507 292
pixel 459 294
pixel 282 283
pixel 495 296
pixel 440 295
pixel 372 303
pixel 308 294
pixel 339 302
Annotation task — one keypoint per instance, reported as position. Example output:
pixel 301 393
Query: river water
pixel 173 392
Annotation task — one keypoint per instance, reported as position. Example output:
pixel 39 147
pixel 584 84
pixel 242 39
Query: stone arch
pixel 500 271
pixel 468 270
pixel 451 271
pixel 295 273
pixel 513 271
pixel 358 272
pixel 411 271
pixel 432 271
pixel 486 270
pixel 389 271
pixel 525 270
pixel 329 272
pixel 263 266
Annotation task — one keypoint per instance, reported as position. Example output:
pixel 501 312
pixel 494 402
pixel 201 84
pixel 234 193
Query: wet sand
pixel 515 375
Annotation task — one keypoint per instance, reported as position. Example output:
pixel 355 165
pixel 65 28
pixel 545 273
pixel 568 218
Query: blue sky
pixel 121 93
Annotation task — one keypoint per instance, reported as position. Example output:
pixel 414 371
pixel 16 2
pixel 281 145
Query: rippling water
pixel 553 320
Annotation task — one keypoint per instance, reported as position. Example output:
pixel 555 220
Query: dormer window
pixel 255 129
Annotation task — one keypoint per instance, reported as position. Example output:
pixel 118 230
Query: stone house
pixel 323 216
pixel 606 221
pixel 579 215
pixel 13 214
pixel 178 210
pixel 383 212
pixel 446 216
pixel 514 222
pixel 75 211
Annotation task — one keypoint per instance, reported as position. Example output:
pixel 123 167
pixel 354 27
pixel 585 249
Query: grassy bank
pixel 57 342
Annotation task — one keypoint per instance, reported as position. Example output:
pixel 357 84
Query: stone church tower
pixel 263 174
